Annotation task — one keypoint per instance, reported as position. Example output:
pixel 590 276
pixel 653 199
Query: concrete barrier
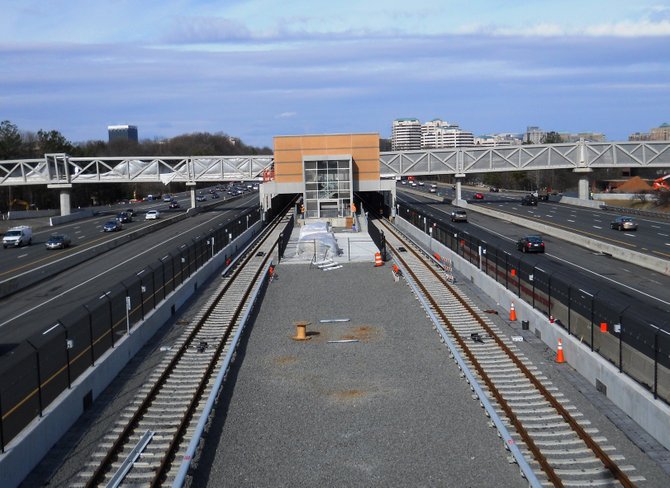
pixel 26 450
pixel 631 397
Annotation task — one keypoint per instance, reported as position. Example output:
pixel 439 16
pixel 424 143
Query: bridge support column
pixel 458 199
pixel 65 205
pixel 583 186
pixel 192 185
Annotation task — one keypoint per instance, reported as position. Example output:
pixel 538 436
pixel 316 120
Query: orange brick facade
pixel 290 150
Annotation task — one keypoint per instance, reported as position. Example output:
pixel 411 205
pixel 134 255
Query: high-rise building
pixel 438 134
pixel 534 135
pixel 406 135
pixel 122 133
pixel 660 133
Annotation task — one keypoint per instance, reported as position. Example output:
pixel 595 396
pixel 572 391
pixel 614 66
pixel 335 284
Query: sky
pixel 255 69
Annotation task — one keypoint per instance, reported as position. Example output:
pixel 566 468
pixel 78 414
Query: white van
pixel 18 236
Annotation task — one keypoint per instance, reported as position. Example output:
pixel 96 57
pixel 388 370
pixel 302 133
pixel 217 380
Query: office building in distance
pixel 122 133
pixel 406 135
pixel 438 134
pixel 410 134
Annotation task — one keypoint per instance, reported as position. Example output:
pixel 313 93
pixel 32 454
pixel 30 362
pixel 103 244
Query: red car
pixel 479 196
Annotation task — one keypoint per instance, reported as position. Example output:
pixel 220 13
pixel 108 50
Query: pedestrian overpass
pixel 61 171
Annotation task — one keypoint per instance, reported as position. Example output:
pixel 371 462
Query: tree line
pixel 18 144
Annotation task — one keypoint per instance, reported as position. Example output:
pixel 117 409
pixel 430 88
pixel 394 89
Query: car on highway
pixel 174 204
pixel 529 199
pixel 459 216
pixel 479 196
pixel 167 198
pixel 623 223
pixel 494 189
pixel 112 226
pixel 152 215
pixel 131 212
pixel 530 244
pixel 58 241
pixel 215 195
pixel 124 217
pixel 201 198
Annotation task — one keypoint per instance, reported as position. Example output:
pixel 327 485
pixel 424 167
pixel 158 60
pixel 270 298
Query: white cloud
pixel 286 115
pixel 631 29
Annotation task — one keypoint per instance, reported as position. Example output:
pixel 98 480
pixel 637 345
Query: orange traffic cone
pixel 378 259
pixel 559 352
pixel 512 312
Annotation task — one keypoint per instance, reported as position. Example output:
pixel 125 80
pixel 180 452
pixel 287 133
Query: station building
pixel 327 170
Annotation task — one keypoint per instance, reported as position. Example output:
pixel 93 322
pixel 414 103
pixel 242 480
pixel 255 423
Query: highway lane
pixel 652 236
pixel 36 308
pixel 624 281
pixel 84 234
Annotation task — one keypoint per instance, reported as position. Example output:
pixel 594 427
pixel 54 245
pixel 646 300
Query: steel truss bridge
pixel 580 157
pixel 61 170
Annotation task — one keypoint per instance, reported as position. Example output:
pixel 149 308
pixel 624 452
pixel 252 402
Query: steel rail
pixel 112 453
pixel 608 463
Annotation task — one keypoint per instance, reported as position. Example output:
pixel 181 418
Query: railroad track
pixel 150 440
pixel 552 438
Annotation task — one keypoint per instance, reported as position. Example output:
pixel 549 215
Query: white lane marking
pixel 629 235
pixel 22 255
pixel 81 237
pixel 569 220
pixel 597 227
pixel 667 243
pixel 596 220
pixel 104 272
pixel 664 235
pixel 656 226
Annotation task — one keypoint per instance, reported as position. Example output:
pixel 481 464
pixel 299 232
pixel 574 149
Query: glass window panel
pixel 310 165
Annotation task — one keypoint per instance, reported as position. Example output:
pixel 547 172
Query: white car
pixel 152 215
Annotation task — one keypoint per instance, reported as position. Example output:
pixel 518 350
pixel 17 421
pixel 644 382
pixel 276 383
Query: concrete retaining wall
pixel 27 449
pixel 652 415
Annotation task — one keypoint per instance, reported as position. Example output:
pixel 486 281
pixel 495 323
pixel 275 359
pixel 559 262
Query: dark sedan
pixel 112 226
pixel 530 244
pixel 124 217
pixel 58 241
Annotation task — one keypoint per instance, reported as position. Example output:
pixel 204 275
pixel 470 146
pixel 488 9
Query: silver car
pixel 623 223
pixel 459 216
